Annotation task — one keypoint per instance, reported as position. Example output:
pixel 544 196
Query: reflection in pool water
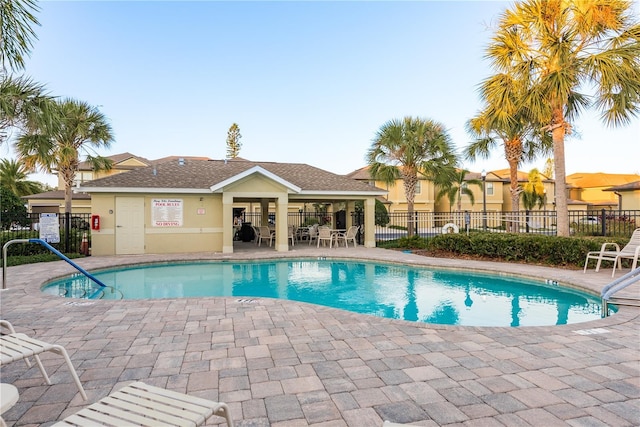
pixel 386 290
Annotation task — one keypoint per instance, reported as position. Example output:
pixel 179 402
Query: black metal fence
pixel 395 225
pixel 389 226
pixel 72 230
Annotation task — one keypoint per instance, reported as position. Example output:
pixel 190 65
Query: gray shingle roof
pixel 202 174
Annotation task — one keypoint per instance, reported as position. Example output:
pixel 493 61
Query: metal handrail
pixel 609 290
pixel 52 249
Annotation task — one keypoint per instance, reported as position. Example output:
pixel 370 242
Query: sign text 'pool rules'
pixel 49 227
pixel 167 212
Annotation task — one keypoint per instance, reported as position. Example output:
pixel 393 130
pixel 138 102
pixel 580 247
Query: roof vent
pixel 181 161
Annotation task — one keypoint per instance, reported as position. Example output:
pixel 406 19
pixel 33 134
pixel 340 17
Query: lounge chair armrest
pixel 603 248
pixel 7 325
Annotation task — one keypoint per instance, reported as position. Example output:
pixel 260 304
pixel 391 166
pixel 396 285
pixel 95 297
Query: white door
pixel 129 225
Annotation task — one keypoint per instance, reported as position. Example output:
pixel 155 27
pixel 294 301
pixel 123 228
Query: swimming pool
pixel 386 290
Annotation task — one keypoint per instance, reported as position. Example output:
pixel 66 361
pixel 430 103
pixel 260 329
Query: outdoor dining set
pixel 319 234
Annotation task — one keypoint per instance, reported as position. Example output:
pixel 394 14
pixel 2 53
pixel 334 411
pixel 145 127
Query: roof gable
pixel 219 187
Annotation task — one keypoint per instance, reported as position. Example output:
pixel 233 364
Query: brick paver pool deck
pixel 284 363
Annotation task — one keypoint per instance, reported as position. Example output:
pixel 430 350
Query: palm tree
pixel 457 187
pixel 57 145
pixel 404 149
pixel 13 176
pixel 20 98
pixel 533 191
pixel 504 119
pixel 17 17
pixel 571 54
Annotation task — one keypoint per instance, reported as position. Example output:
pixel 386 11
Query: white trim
pixel 219 187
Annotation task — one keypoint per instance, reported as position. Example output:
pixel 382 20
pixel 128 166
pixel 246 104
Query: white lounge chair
pixel 140 404
pixel 630 251
pixel 8 397
pixel 17 346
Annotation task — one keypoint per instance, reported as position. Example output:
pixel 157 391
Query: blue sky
pixel 307 82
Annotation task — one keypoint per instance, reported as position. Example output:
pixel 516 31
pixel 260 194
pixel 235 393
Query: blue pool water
pixel 386 290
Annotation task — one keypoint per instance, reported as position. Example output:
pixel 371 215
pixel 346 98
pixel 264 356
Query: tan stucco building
pixel 186 205
pixel 594 189
pixel 628 195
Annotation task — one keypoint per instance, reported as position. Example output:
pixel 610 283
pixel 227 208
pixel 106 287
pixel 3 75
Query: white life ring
pixel 450 228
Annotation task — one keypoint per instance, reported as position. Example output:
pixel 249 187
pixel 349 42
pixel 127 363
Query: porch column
pixel 227 224
pixel 369 222
pixel 351 207
pixel 264 212
pixel 282 204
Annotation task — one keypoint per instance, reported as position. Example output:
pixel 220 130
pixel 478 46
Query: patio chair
pixel 145 405
pixel 256 234
pixel 630 251
pixel 313 233
pixel 265 234
pixel 350 235
pixel 17 346
pixel 291 234
pixel 324 234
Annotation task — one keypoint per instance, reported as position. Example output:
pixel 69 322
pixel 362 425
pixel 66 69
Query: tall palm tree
pixel 77 128
pixel 571 54
pixel 14 177
pixel 17 18
pixel 19 96
pixel 457 187
pixel 505 120
pixel 406 148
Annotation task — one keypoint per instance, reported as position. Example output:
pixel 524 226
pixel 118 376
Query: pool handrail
pixel 52 249
pixel 609 290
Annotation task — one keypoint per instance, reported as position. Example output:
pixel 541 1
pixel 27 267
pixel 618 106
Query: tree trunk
pixel 410 181
pixel 513 154
pixel 67 197
pixel 562 213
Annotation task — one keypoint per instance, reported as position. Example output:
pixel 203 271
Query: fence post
pixel 67 232
pixel 603 222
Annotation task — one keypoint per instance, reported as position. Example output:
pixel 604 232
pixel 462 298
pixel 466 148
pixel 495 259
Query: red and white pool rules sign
pixel 166 212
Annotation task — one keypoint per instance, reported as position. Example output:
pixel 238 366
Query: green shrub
pixel 538 249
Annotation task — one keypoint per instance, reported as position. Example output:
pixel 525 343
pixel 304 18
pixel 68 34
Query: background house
pixel 593 189
pixel 628 195
pixel 523 177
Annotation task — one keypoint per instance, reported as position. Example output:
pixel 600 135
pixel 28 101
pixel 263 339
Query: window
pixel 489 188
pixel 418 187
pixel 82 177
